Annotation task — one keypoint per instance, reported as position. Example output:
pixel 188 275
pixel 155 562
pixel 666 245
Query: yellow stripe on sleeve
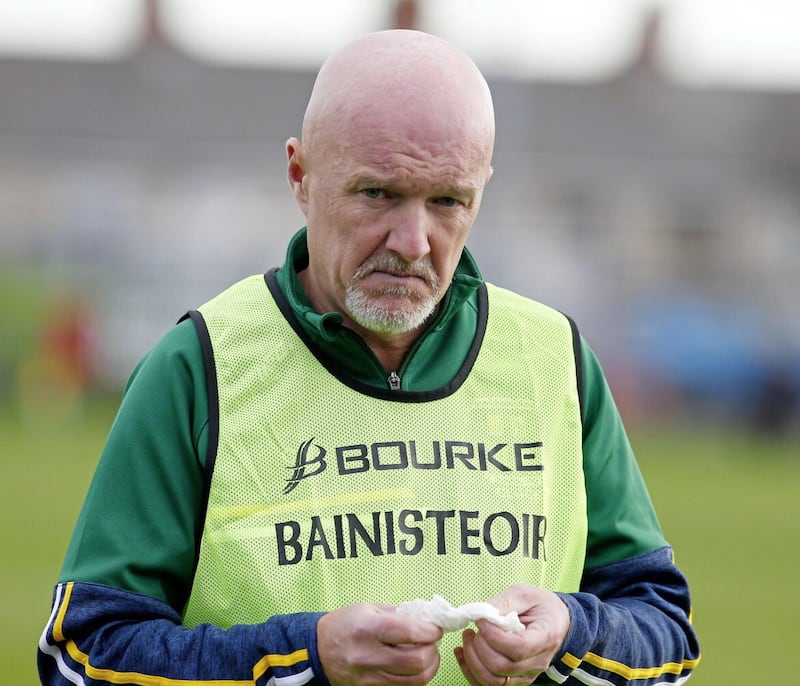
pixel 278 661
pixel 571 661
pixel 138 679
pixel 629 673
pixel 58 630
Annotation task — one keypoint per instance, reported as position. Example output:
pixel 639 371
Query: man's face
pixel 388 216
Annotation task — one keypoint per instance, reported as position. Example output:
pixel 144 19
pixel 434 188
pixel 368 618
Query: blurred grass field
pixel 728 502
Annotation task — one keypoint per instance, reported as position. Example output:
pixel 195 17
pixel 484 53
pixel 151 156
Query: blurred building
pixel 664 219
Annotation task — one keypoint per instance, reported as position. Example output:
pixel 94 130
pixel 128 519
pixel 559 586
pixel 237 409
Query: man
pixel 368 424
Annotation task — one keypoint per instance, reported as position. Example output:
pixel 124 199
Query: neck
pixel 390 350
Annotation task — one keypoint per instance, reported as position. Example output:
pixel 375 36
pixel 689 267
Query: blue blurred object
pixel 716 356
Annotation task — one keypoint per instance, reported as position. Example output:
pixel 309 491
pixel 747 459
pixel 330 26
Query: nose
pixel 408 235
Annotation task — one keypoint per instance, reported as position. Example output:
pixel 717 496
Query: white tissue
pixel 438 611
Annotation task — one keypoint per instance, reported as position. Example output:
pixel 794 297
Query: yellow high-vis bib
pixel 323 494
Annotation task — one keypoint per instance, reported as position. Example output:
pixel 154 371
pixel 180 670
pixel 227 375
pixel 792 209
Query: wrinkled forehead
pixel 425 130
pixel 408 151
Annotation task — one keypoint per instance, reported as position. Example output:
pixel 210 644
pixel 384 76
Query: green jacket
pixel 131 561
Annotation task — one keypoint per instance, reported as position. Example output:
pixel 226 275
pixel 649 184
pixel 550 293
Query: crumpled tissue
pixel 438 611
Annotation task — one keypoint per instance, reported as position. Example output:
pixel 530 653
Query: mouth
pixel 398 276
pixel 393 276
pixel 397 284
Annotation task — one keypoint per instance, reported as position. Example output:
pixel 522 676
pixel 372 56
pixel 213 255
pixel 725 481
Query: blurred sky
pixel 736 43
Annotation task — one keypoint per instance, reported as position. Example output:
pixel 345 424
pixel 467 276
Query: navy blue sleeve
pixel 101 635
pixel 630 624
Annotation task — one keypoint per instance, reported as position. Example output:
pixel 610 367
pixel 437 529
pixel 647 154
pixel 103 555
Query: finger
pixel 393 636
pixel 393 665
pixel 504 654
pixel 398 630
pixel 485 672
pixel 465 670
pixel 420 662
pixel 496 648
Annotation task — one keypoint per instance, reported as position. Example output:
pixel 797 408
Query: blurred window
pixel 704 43
pixel 77 29
pixel 563 40
pixel 733 43
pixel 277 33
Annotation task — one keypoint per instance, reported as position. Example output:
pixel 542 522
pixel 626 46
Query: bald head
pixel 407 80
pixel 395 154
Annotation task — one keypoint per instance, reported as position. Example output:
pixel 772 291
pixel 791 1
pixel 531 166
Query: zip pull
pixel 393 381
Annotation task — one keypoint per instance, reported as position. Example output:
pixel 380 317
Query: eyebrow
pixel 368 181
pixel 373 181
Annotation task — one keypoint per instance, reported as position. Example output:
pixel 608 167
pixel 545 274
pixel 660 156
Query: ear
pixel 296 171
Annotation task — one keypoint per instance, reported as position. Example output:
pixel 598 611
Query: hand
pixel 371 644
pixel 489 656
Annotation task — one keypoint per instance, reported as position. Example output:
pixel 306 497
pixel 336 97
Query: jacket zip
pixel 393 381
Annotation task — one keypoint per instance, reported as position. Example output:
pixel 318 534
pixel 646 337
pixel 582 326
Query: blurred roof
pixel 717 43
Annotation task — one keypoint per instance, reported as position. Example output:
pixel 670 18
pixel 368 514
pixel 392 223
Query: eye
pixel 374 193
pixel 447 201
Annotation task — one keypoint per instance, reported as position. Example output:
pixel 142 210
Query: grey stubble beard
pixel 367 310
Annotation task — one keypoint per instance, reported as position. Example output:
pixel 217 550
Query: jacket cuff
pixel 306 624
pixel 576 643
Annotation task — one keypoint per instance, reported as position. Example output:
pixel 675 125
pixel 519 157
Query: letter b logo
pixel 305 466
